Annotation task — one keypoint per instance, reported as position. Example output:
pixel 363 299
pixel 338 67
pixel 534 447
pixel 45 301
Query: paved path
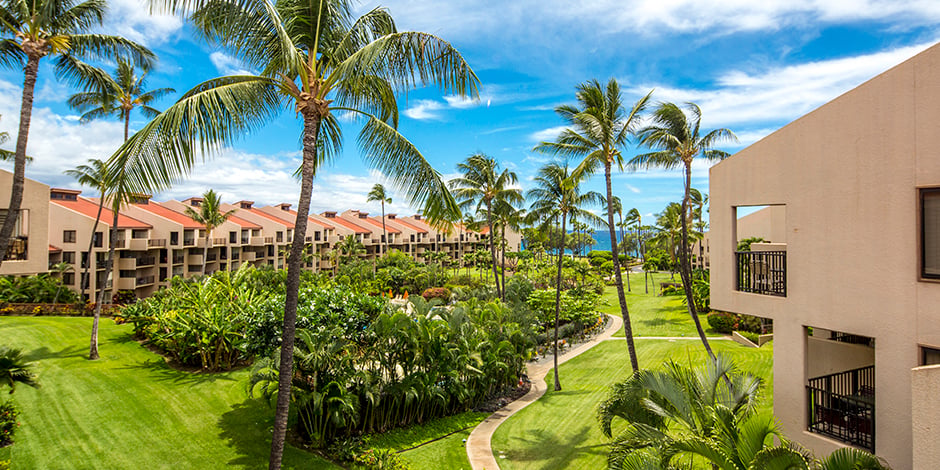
pixel 479 449
pixel 672 338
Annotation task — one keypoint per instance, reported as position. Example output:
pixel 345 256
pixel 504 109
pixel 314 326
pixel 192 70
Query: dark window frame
pixel 922 235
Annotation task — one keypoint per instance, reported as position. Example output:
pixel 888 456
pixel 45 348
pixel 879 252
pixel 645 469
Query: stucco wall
pixel 36 201
pixel 824 357
pixel 768 223
pixel 925 384
pixel 848 175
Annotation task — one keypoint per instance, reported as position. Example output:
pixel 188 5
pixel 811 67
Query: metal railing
pixel 211 257
pixel 268 240
pixel 146 261
pixel 762 272
pixel 156 242
pixel 179 259
pixel 218 241
pixel 842 406
pixel 235 256
pixel 145 280
pixel 189 241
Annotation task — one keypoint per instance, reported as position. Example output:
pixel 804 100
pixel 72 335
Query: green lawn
pixel 559 431
pixel 448 452
pixel 129 409
pixel 650 314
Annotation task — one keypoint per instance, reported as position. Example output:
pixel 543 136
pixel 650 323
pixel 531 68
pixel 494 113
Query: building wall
pixel 847 174
pixel 925 382
pixel 828 357
pixel 36 202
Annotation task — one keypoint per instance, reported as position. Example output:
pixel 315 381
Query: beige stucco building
pixel 852 280
pixel 28 252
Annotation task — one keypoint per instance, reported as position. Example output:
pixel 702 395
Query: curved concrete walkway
pixel 479 449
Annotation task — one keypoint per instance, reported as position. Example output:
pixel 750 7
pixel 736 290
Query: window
pixel 68 236
pixel 99 239
pixel 68 257
pixel 929 356
pixel 233 237
pixel 139 234
pixel 930 233
pixel 127 273
pixel 68 278
pixel 316 236
pixel 279 237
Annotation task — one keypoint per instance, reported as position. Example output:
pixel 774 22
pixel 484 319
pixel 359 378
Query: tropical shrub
pixel 722 322
pixel 577 309
pixel 41 288
pixel 124 297
pixel 604 254
pixel 8 424
pixel 752 337
pixel 441 293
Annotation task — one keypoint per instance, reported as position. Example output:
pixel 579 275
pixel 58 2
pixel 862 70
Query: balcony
pixel 268 240
pixel 139 244
pixel 179 259
pixel 211 257
pixel 120 243
pixel 762 272
pixel 146 261
pixel 218 242
pixel 145 280
pixel 258 241
pixel 156 243
pixel 842 406
pixel 235 255
pixel 189 241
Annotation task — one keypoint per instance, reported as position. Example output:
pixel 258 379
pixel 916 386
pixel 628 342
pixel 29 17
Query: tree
pixel 378 194
pixel 617 207
pixel 94 175
pixel 598 129
pixel 118 96
pixel 14 369
pixel 556 197
pixel 210 215
pixel 111 96
pixel 32 30
pixel 634 218
pixel 60 268
pixel 483 187
pixel 350 248
pixel 697 202
pixel 5 155
pixel 669 230
pixel 313 58
pixel 677 139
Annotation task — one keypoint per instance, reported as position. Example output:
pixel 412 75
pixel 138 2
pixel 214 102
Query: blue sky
pixel 751 66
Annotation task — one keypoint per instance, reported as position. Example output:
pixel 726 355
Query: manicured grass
pixel 651 314
pixel 560 431
pixel 407 438
pixel 129 409
pixel 448 453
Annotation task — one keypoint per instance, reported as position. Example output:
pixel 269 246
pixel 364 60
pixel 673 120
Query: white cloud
pixel 546 135
pixel 228 65
pixel 462 102
pixel 780 94
pixel 133 20
pixel 633 189
pixel 424 110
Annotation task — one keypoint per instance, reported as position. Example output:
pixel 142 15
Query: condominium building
pixel 851 276
pixel 28 251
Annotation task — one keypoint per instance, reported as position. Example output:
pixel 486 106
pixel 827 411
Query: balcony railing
pixel 218 241
pixel 211 257
pixel 189 241
pixel 141 281
pixel 156 242
pixel 235 256
pixel 842 406
pixel 146 261
pixel 762 272
pixel 179 259
pixel 268 240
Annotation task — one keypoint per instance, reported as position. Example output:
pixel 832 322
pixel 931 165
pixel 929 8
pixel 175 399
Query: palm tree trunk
pixel 621 241
pixel 685 268
pixel 285 372
pixel 561 254
pixel 108 272
pixel 127 124
pixel 205 252
pixel 627 328
pixel 91 246
pixel 19 159
pixel 502 261
pixel 384 232
pixel 489 223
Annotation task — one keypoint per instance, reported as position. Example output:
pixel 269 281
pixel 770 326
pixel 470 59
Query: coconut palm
pixel 33 30
pixel 60 268
pixel 634 218
pixel 378 194
pixel 617 207
pixel 669 230
pixel 483 187
pixel 599 128
pixel 210 216
pixel 350 248
pixel 507 216
pixel 677 139
pixel 14 369
pixel 117 96
pixel 697 202
pixel 93 175
pixel 555 198
pixel 314 59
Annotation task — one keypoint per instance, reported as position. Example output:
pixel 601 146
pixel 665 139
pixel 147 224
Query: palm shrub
pixel 15 369
pixel 8 424
pixel 41 288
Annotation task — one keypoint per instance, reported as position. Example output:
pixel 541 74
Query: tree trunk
pixel 19 159
pixel 502 261
pixel 286 370
pixel 205 252
pixel 91 247
pixel 384 232
pixel 489 223
pixel 621 241
pixel 108 273
pixel 561 254
pixel 627 328
pixel 685 268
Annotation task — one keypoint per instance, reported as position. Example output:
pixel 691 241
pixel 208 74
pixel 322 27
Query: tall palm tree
pixel 210 215
pixel 677 139
pixel 14 369
pixel 350 248
pixel 32 30
pixel 312 58
pixel 555 198
pixel 117 96
pixel 483 187
pixel 634 218
pixel 697 202
pixel 507 216
pixel 599 128
pixel 378 194
pixel 669 231
pixel 93 175
pixel 617 207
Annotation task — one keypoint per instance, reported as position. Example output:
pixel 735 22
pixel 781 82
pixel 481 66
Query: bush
pixel 601 254
pixel 752 337
pixel 8 414
pixel 124 297
pixel 41 288
pixel 722 322
pixel 442 293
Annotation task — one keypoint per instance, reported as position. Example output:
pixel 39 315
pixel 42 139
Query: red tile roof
pixel 349 225
pixel 90 209
pixel 244 223
pixel 54 249
pixel 170 214
pixel 410 224
pixel 378 224
pixel 279 220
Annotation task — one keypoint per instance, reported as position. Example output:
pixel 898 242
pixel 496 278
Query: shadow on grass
pixel 162 372
pixel 247 428
pixel 44 353
pixel 546 449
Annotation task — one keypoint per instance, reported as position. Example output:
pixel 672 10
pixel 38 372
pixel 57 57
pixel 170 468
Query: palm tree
pixel 350 248
pixel 677 139
pixel 483 187
pixel 118 96
pixel 60 268
pixel 599 129
pixel 313 58
pixel 14 369
pixel 378 194
pixel 507 215
pixel 94 175
pixel 696 207
pixel 557 196
pixel 5 155
pixel 210 215
pixel 669 230
pixel 32 30
pixel 617 207
pixel 634 218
